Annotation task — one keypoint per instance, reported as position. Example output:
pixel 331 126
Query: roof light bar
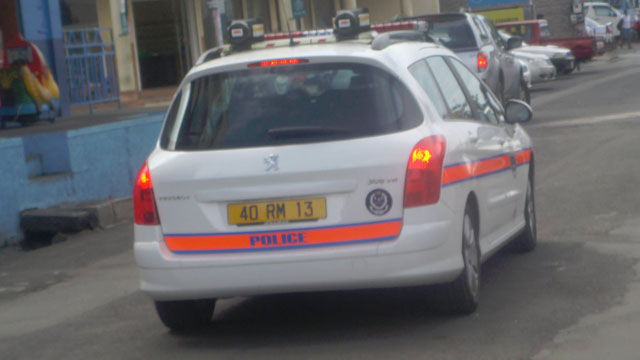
pixel 380 28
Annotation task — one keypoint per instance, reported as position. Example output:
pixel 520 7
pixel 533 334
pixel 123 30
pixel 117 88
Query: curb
pixel 75 217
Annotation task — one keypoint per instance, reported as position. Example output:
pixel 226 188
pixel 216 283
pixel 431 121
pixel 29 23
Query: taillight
pixel 144 204
pixel 483 62
pixel 424 172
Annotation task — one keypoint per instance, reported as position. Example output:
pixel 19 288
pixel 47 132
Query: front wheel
pixel 528 239
pixel 500 93
pixel 465 290
pixel 525 95
pixel 185 315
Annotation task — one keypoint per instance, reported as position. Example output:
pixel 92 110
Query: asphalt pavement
pixel 576 297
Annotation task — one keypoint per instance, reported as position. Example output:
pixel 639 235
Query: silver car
pixel 475 40
pixel 540 66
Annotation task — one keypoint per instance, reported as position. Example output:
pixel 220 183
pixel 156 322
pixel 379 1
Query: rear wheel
pixel 185 315
pixel 465 290
pixel 528 239
pixel 525 95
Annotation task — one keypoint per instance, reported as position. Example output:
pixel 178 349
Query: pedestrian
pixel 627 26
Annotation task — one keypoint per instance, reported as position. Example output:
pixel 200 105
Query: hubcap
pixel 470 253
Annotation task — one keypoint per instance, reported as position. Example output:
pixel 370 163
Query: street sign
pixel 479 3
pixel 216 5
pixel 299 8
pixel 504 15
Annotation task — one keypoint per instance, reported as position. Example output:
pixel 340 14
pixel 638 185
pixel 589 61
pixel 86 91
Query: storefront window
pixel 323 13
pixel 259 9
pixel 78 13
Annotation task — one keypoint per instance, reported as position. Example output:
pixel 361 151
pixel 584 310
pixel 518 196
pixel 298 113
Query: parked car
pixel 342 165
pixel 603 13
pixel 474 39
pixel 536 32
pixel 539 66
pixel 561 58
pixel 602 33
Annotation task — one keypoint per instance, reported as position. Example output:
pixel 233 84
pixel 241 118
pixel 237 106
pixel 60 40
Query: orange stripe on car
pixel 283 239
pixel 456 173
pixel 523 157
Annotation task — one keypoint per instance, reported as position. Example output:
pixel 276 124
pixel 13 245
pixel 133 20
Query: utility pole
pixel 217 8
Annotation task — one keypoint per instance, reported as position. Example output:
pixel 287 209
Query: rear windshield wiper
pixel 298 132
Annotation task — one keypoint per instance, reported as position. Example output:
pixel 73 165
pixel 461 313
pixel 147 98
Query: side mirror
pixel 514 42
pixel 517 111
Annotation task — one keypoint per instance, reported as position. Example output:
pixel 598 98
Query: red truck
pixel 536 32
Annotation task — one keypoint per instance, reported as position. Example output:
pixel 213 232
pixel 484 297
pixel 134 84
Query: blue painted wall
pixel 102 162
pixel 52 150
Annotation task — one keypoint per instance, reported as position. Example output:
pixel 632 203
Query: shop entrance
pixel 167 40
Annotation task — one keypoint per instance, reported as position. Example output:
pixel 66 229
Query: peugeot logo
pixel 271 163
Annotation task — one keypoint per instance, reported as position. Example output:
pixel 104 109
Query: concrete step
pixel 55 220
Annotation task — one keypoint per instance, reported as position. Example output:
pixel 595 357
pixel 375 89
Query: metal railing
pixel 91 66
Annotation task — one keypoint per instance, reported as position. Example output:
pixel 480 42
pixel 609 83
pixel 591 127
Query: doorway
pixel 167 39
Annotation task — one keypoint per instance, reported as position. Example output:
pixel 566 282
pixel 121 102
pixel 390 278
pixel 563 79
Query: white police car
pixel 363 162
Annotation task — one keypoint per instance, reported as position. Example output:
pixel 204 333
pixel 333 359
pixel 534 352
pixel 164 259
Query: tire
pixel 464 292
pixel 528 239
pixel 569 69
pixel 525 95
pixel 500 93
pixel 186 315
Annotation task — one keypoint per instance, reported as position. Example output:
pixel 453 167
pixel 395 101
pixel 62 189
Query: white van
pixel 603 13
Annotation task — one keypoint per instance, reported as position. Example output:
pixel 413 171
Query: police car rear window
pixel 291 105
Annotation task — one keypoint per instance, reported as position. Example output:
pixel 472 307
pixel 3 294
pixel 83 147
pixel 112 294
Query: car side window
pixel 172 114
pixel 422 74
pixel 493 32
pixel 453 94
pixel 480 96
pixel 603 11
pixel 483 32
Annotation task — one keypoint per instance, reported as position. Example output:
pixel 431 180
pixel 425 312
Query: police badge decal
pixel 379 202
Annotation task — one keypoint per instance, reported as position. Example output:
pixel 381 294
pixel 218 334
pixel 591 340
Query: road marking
pixel 542 100
pixel 593 120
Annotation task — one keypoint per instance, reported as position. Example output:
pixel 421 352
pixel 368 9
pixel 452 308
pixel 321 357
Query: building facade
pixel 157 41
pixel 557 12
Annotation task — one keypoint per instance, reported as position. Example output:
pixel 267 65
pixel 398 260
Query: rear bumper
pixel 424 253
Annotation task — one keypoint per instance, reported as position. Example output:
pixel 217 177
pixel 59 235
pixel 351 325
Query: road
pixel 576 297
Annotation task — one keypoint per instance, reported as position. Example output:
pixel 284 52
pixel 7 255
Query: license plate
pixel 276 211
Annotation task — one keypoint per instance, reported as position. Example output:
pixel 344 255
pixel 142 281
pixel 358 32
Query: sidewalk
pixel 132 105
